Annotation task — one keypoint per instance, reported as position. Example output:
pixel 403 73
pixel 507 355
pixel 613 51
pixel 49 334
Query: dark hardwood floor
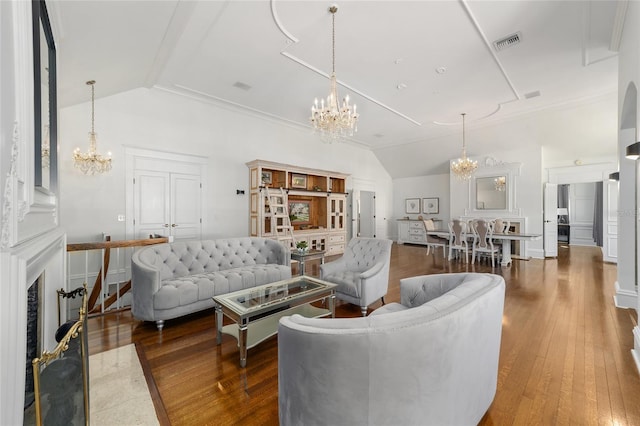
pixel 565 355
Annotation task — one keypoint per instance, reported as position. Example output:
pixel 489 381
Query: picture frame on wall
pixel 300 212
pixel 431 205
pixel 299 181
pixel 267 178
pixel 412 205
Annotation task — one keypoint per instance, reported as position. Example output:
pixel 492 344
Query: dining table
pixel 505 238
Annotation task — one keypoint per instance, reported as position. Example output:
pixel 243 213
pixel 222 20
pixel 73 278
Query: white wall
pixel 156 119
pixel 629 73
pixel 420 187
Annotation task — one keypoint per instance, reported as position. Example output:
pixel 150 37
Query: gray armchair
pixel 362 273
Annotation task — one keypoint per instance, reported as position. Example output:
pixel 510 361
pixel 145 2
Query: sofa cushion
pixel 193 288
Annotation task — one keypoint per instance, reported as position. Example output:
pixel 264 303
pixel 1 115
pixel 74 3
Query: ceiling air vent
pixel 507 41
pixel 241 85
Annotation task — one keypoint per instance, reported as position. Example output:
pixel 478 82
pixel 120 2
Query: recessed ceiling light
pixel 241 85
pixel 401 86
pixel 532 94
pixel 441 70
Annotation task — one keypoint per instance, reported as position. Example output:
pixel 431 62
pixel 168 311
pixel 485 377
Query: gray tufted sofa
pixel 175 279
pixel 431 360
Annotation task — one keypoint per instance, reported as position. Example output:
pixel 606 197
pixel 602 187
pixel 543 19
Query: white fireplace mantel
pixel 31 241
pixel 20 267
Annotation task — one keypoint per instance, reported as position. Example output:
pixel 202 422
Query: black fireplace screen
pixel 61 377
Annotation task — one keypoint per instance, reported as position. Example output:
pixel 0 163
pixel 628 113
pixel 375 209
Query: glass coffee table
pixel 256 311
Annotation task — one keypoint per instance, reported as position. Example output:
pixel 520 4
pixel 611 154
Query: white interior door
pixel 164 194
pixel 151 203
pixel 610 214
pixel 186 222
pixel 550 220
pixel 352 214
pixel 167 204
pixel 367 214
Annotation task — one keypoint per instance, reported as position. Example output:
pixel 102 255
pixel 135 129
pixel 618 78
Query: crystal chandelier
pixel 332 121
pixel 463 167
pixel 500 183
pixel 46 148
pixel 91 162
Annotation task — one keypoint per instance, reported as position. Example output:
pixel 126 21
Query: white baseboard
pixel 536 253
pixel 635 352
pixel 625 298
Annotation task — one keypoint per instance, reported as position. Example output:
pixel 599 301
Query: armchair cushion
pixel 348 282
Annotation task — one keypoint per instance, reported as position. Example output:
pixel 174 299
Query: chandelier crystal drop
pixel 464 167
pixel 331 120
pixel 46 148
pixel 91 162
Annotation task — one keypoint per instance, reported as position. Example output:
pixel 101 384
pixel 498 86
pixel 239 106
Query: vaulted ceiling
pixel 411 66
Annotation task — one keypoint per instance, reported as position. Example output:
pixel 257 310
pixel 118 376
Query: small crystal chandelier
pixel 500 183
pixel 331 121
pixel 46 149
pixel 463 167
pixel 91 162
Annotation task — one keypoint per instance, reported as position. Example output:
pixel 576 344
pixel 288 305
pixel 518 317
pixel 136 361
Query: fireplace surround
pixel 40 259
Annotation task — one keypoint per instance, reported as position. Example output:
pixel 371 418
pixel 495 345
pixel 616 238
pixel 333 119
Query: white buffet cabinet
pixel 413 231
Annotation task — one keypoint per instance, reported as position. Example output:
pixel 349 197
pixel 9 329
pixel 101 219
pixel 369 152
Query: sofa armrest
pixel 285 258
pixel 145 282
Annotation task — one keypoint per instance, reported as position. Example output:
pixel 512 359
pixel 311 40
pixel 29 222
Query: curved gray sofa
pixel 430 360
pixel 179 278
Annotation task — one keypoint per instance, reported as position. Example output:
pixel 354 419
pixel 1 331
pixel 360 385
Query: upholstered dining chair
pixel 458 238
pixel 501 226
pixel 434 241
pixel 362 273
pixel 483 241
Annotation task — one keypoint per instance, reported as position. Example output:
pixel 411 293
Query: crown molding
pixel 618 25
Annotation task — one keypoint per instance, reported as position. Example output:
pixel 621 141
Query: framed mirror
pixel 491 193
pixel 492 190
pixel 45 101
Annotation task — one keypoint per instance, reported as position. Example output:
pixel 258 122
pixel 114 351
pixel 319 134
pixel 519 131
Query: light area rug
pixel 118 390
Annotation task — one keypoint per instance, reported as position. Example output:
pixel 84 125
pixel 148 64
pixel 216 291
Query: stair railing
pixel 95 268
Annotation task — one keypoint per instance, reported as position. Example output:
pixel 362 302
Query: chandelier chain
pixel 333 11
pixel 334 120
pixel 464 144
pixel 93 113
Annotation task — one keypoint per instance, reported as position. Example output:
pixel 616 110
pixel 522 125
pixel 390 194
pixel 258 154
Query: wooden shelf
pixel 325 226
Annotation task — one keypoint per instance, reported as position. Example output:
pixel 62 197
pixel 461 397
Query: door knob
pixel 173 225
pixel 166 225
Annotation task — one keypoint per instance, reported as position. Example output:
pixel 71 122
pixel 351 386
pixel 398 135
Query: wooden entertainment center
pixel 317 202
